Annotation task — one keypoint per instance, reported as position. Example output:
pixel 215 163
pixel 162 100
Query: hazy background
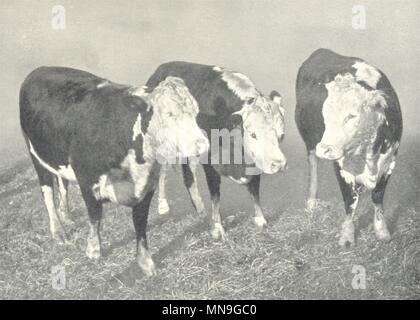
pixel 267 40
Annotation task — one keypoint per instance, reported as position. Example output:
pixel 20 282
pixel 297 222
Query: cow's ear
pixel 277 99
pixel 236 120
pixel 376 100
pixel 250 101
pixel 139 98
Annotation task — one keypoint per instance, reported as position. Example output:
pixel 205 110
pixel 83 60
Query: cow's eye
pixel 349 117
pixel 253 135
pixel 281 137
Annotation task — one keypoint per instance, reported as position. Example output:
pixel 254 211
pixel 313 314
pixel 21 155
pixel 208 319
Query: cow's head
pixel 173 124
pixel 351 112
pixel 262 120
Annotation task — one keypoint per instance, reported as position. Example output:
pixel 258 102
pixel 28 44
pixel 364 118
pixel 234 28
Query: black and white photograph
pixel 229 150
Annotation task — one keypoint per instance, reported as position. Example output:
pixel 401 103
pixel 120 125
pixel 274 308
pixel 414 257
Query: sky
pixel 267 40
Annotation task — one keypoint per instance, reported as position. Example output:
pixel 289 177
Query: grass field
pixel 296 257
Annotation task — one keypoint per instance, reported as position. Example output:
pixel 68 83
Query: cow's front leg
pixel 94 208
pixel 213 182
pixel 190 180
pixel 379 222
pixel 351 198
pixel 163 206
pixel 140 214
pixel 254 189
pixel 312 202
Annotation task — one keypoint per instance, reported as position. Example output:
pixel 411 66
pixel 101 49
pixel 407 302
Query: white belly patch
pixel 240 181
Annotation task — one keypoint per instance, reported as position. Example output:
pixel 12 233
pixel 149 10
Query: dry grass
pixel 296 257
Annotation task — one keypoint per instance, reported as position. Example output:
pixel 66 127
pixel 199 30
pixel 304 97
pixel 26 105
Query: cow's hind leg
pixel 163 206
pixel 351 198
pixel 63 204
pixel 94 208
pixel 140 214
pixel 379 222
pixel 312 202
pixel 190 181
pixel 254 189
pixel 213 182
pixel 46 180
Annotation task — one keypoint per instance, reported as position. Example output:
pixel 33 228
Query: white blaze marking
pixel 240 181
pixel 367 73
pixel 137 128
pixel 105 191
pixel 65 172
pixel 103 84
pixel 139 172
pixel 239 83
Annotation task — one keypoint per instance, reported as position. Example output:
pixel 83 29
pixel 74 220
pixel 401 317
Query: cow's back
pixel 205 84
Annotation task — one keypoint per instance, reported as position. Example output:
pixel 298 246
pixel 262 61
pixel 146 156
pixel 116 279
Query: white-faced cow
pixel 104 136
pixel 348 112
pixel 231 109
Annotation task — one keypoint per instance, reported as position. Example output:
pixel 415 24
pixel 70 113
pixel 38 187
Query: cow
pixel 229 104
pixel 104 135
pixel 348 112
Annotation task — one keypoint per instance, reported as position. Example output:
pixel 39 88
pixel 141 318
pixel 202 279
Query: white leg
pixel 56 228
pixel 312 202
pixel 163 206
pixel 63 206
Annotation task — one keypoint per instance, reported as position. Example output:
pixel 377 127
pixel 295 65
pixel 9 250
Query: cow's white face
pixel 263 125
pixel 174 119
pixel 348 111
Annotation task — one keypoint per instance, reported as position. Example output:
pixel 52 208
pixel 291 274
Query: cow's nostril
pixel 278 165
pixel 202 146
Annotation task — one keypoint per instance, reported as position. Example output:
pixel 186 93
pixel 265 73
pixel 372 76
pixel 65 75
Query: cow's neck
pixel 150 143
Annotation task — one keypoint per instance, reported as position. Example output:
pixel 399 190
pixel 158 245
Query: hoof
pixel 313 205
pixel 59 237
pixel 93 252
pixel 147 265
pixel 67 221
pixel 201 213
pixel 383 235
pixel 163 206
pixel 217 232
pixel 347 234
pixel 381 232
pixel 379 225
pixel 260 222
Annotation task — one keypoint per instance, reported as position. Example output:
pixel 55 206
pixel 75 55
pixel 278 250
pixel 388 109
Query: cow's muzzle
pixel 329 152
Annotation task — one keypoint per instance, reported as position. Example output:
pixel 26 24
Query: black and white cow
pixel 348 112
pixel 229 102
pixel 79 127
